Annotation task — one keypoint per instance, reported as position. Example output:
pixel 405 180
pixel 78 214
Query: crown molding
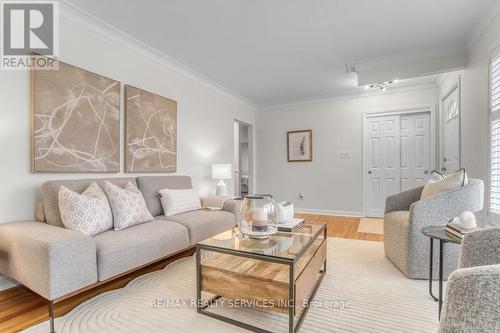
pixel 353 95
pixel 98 26
pixel 482 24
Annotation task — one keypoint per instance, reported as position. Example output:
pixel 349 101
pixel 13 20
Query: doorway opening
pixel 243 159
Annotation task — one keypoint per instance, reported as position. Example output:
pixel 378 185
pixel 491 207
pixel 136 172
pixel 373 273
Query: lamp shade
pixel 221 171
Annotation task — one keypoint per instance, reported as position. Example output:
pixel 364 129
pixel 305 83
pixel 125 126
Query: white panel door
pixel 415 150
pixel 381 162
pixel 450 138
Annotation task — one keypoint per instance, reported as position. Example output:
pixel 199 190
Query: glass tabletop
pixel 285 245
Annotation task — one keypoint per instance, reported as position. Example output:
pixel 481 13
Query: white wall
pixel 329 184
pixel 205 115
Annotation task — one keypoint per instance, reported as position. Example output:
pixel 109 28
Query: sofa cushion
pixel 50 194
pixel 203 224
pixel 151 185
pixel 120 251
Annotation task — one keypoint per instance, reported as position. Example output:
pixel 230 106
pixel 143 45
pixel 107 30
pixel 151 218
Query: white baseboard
pixel 6 283
pixel 329 212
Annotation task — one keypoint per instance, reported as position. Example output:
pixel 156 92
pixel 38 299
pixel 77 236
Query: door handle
pixel 426 172
pixel 370 172
pixel 443 169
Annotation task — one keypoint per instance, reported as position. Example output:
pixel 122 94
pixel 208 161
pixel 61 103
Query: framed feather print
pixel 299 146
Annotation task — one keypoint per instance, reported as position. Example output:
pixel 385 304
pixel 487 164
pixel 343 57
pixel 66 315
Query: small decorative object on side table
pixel 438 233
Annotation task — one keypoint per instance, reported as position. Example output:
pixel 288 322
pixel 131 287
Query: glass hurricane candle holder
pixel 257 217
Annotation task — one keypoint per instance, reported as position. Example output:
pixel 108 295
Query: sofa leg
pixel 51 316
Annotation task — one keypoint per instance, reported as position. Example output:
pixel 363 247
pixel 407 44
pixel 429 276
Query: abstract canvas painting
pixel 75 121
pixel 150 132
pixel 299 146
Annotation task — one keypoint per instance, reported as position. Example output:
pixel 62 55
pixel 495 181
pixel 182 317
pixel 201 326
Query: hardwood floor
pixel 20 308
pixel 342 227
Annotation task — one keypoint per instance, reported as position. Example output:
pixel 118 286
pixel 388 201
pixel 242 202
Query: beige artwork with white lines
pixel 75 121
pixel 151 132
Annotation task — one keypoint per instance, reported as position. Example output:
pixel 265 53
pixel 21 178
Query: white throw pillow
pixel 439 184
pixel 88 212
pixel 128 205
pixel 179 201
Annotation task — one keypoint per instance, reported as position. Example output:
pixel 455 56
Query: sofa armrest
pixel 232 206
pixel 481 247
pixel 472 300
pixel 49 260
pixel 403 200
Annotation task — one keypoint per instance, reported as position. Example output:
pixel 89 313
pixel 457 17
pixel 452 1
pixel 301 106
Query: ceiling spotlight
pixel 381 85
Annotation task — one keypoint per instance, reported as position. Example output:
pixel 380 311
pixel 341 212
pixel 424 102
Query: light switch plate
pixel 345 154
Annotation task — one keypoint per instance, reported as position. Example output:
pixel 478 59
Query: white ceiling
pixel 279 51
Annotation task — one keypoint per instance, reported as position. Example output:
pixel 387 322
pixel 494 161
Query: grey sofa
pixel 472 298
pixel 405 216
pixel 56 262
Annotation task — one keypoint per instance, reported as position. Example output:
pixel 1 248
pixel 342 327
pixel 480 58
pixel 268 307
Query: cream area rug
pixel 361 292
pixel 371 226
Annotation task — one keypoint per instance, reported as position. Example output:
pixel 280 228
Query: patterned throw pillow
pixel 88 212
pixel 128 205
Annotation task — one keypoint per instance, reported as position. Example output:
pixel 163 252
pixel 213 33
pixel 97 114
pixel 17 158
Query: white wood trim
pixel 399 111
pixel 251 156
pixel 328 212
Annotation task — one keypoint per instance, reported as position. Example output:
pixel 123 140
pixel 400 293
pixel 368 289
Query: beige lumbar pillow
pixel 179 201
pixel 439 183
pixel 128 205
pixel 88 212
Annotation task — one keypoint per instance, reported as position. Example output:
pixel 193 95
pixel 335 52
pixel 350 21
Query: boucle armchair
pixel 405 216
pixel 472 298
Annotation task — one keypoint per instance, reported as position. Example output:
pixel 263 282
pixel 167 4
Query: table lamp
pixel 221 171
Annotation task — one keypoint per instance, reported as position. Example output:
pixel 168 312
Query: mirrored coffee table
pixel 281 273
